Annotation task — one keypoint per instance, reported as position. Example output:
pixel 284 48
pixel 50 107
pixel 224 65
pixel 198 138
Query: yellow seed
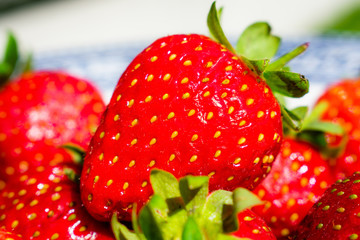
pixel 294 217
pixel 248 218
pixel 152 141
pixel 194 137
pixel 211 174
pixel 132 163
pixel 34 202
pixel 187 63
pixel 184 80
pixel 171 115
pixel 273 219
pixel 260 114
pixel 249 101
pixel 304 181
pixel 237 160
pixel 228 68
pixel 295 166
pixel 206 94
pixel 19 206
pixel 172 57
pixel 101 156
pixel 242 123
pixel 184 41
pixel 82 228
pixel 134 122
pixel 323 185
pixel 126 185
pixel 209 64
pixel 167 77
pixel 54 236
pixel 102 134
pixel 226 81
pixel 163 45
pixel 72 217
pixel 241 140
pixel 261 137
pixel 230 178
pixel 153 59
pixel 174 134
pixel 152 163
pixel 217 134
pixel 284 232
pixel 172 157
pixel 231 110
pixel 255 231
pixel 153 119
pixel 131 102
pixel 210 115
pixel 223 95
pixel 32 216
pixel 198 48
pixel 22 192
pixel 271 158
pixel 257 160
pixel 193 158
pixel 272 114
pixel 109 182
pixel 148 98
pixel 90 197
pixel 266 90
pixel 55 196
pixel 96 179
pixel 244 87
pixel 265 159
pixel 186 95
pixel 134 141
pixel 144 184
pixel 217 153
pixel 14 224
pixel 133 82
pixel 137 66
pixel 2 217
pixel 284 189
pixel 58 189
pixel 118 97
pixel 117 136
pixel 150 78
pixel 275 136
pixel 165 96
pixel 261 193
pixel 205 80
pixel 191 112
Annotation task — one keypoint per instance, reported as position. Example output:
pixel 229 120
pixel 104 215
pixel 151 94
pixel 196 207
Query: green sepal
pixel 152 217
pixel 10 58
pixel 244 199
pixel 72 175
pixel 191 230
pixel 290 119
pixel 257 42
pixel 229 237
pixel 76 152
pixel 257 66
pixel 215 28
pixel 281 62
pixel 194 191
pixel 300 112
pixel 287 83
pixel 120 231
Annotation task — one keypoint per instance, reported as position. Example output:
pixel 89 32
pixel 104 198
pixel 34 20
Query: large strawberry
pixel 298 178
pixel 343 101
pixel 44 204
pixel 184 209
pixel 188 105
pixel 336 214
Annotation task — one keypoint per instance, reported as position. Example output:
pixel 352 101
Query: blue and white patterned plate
pixel 327 60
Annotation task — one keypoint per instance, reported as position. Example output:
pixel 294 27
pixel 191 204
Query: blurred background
pixel 96 39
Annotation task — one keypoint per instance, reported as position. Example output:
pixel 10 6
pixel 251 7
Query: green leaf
pixel 152 217
pixel 194 191
pixel 28 64
pixel 76 152
pixel 215 28
pixel 191 230
pixel 72 175
pixel 256 42
pixel 217 209
pixel 300 112
pixel 325 127
pixel 121 232
pixel 244 199
pixel 287 83
pixel 10 58
pixel 166 185
pixel 280 63
pixel 290 119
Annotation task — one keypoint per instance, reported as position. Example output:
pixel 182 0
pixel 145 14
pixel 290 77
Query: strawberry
pixel 343 101
pixel 187 105
pixel 45 204
pixel 184 209
pixel 336 213
pixel 298 178
pixel 5 235
pixel 40 112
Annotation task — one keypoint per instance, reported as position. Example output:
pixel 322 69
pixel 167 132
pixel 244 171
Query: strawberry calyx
pixel 184 209
pixel 256 46
pixel 76 152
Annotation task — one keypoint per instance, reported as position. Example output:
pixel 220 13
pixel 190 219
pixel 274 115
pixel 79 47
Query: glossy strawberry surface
pixel 336 215
pixel 185 105
pixel 297 180
pixel 45 204
pixel 41 111
pixel 343 99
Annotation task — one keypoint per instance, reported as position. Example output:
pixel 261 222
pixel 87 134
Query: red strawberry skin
pixel 299 176
pixel 337 213
pixel 45 204
pixel 252 226
pixel 185 105
pixel 343 99
pixel 41 111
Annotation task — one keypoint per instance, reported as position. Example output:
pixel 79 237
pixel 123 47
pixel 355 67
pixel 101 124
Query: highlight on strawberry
pixel 184 209
pixel 191 105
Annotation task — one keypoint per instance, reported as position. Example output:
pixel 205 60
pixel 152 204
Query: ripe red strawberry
pixel 187 105
pixel 343 100
pixel 336 214
pixel 182 209
pixel 41 111
pixel 298 178
pixel 44 204
pixel 5 235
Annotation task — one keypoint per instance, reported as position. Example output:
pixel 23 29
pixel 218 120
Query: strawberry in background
pixel 39 112
pixel 190 105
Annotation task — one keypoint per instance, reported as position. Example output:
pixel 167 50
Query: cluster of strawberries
pixel 195 143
